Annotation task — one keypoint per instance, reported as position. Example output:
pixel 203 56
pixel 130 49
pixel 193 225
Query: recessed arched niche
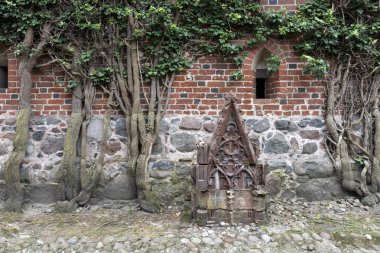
pixel 264 79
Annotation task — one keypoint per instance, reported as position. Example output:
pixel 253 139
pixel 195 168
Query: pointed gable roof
pixel 230 126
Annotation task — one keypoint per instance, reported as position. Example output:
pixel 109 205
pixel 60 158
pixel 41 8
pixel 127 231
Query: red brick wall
pixel 48 95
pixel 200 89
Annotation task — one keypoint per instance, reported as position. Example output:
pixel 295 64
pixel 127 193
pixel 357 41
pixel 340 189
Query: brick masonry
pixel 287 125
pixel 198 90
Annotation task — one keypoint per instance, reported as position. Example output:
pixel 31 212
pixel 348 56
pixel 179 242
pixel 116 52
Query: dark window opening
pixel 261 76
pixel 260 87
pixel 3 77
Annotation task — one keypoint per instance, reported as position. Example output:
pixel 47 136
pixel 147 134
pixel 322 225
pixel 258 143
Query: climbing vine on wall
pixel 122 46
pixel 340 42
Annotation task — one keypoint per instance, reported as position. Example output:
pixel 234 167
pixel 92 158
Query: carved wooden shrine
pixel 228 182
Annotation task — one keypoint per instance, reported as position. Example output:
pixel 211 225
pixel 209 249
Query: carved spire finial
pixel 231 97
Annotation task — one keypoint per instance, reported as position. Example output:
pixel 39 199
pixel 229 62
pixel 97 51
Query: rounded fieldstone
pixel 321 189
pixel 95 129
pixel 38 135
pixel 209 126
pixel 250 122
pixel 317 123
pixel 183 142
pixel 275 164
pixel 52 144
pixel 277 145
pixel 56 130
pixel 261 126
pixel 163 165
pixel 157 147
pixel 288 194
pixel 310 134
pixel 10 121
pixel 304 122
pixel 160 174
pixel 52 121
pixel 164 126
pixel 309 148
pixel 281 124
pixel 314 168
pixel 294 143
pixel 190 123
pixel 38 121
pixel 120 187
pixel 183 170
pixel 120 128
pixel 273 184
pixel 113 147
pixel 285 125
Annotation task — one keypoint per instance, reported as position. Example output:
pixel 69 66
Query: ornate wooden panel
pixel 228 165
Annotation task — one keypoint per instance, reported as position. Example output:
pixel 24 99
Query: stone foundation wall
pixel 292 152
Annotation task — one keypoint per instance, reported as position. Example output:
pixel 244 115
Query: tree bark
pixel 67 174
pixel 12 165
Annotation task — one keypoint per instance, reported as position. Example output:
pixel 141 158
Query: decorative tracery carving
pixel 227 177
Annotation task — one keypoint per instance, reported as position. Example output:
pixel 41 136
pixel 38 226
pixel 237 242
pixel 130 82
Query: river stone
pixel 317 123
pixel 183 170
pixel 274 164
pixel 285 125
pixel 304 122
pixel 288 194
pixel 314 168
pixel 163 165
pixel 113 147
pixel 157 147
pixel 277 145
pixel 273 184
pixel 122 187
pixel 183 142
pixel 250 122
pixel 294 144
pixel 38 121
pixel 310 134
pixel 309 148
pixel 164 126
pixel 160 174
pixel 38 135
pixel 321 189
pixel 95 129
pixel 10 121
pixel 190 123
pixel 120 128
pixel 52 121
pixel 261 126
pixel 52 144
pixel 42 193
pixel 209 126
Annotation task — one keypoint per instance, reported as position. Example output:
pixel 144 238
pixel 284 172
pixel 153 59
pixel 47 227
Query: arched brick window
pixel 267 85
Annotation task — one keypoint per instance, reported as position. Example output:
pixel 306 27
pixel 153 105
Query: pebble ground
pixel 118 226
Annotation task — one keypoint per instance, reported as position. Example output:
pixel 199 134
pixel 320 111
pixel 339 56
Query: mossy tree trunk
pixel 27 62
pixel 341 95
pixel 67 174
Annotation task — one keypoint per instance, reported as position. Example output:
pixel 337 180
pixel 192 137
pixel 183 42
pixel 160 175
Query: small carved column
pixel 259 199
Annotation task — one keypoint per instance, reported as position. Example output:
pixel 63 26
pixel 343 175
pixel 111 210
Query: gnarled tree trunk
pixel 12 165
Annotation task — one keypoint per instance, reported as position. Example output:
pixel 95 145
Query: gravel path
pixel 118 226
